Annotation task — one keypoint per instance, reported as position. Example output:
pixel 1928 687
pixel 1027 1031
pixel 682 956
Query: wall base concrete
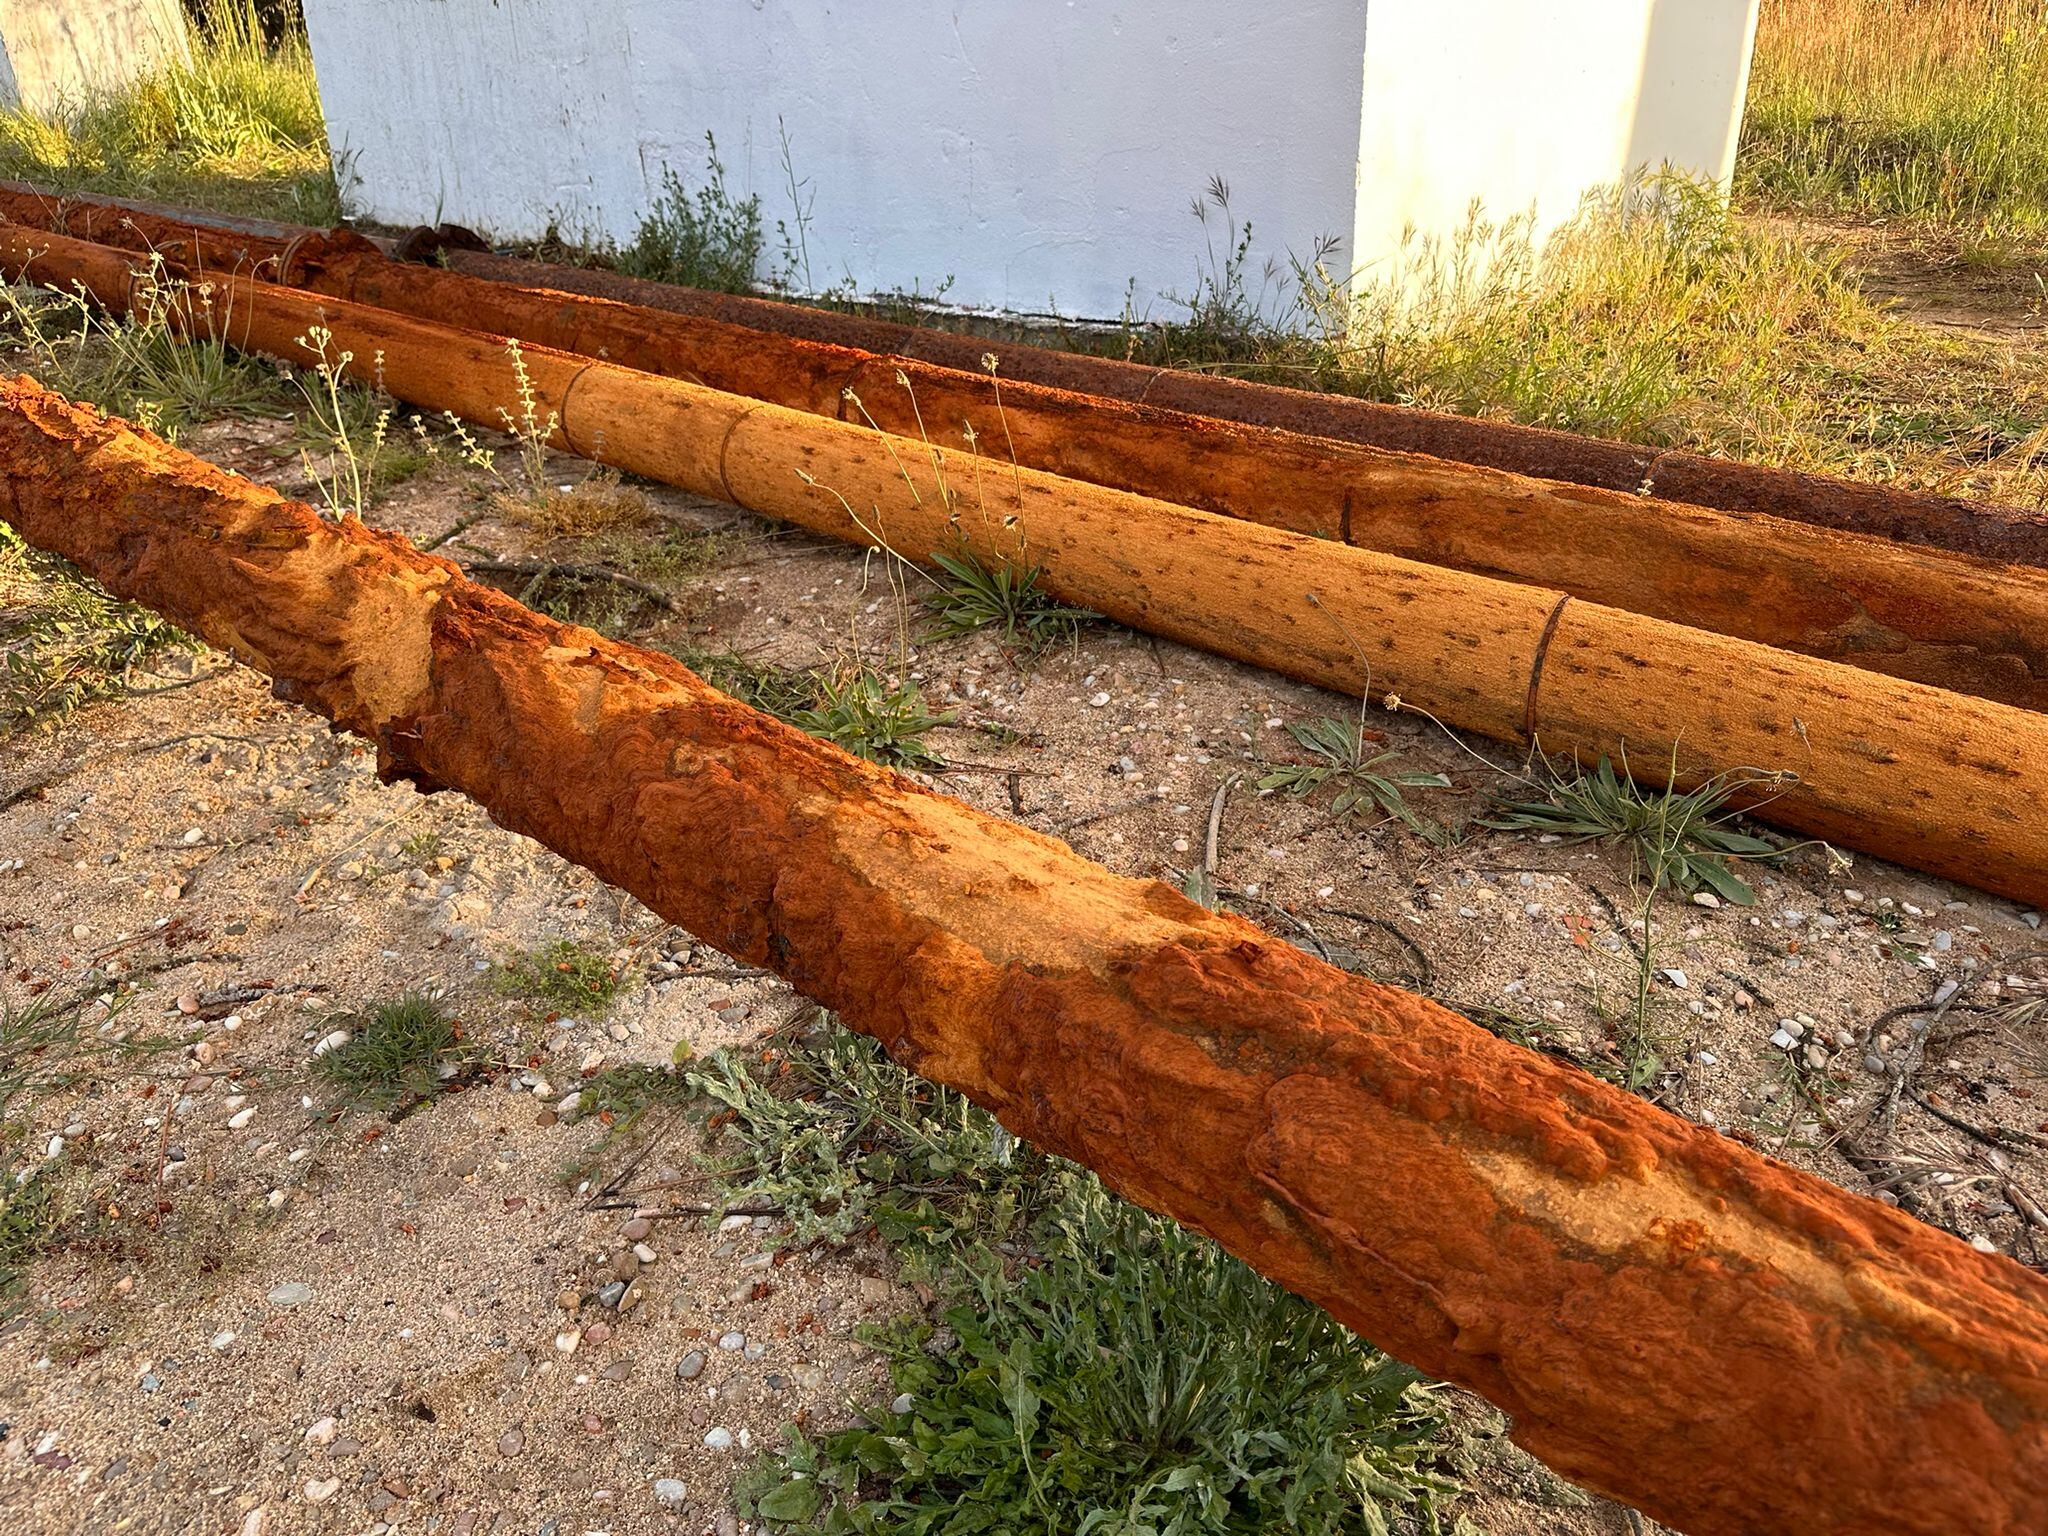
pixel 1044 157
pixel 55 54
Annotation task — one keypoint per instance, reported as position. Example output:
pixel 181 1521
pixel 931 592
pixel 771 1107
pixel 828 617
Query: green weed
pixel 565 976
pixel 399 1053
pixel 701 239
pixel 164 366
pixel 1681 840
pixel 855 708
pixel 1138 1380
pixel 1364 780
pixel 31 1211
pixel 1004 598
pixel 826 1127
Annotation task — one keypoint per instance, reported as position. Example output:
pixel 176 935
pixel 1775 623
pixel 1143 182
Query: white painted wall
pixel 1043 153
pixel 1525 105
pixel 55 53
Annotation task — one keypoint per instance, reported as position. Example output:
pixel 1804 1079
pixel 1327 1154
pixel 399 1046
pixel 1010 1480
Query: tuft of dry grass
pixel 601 503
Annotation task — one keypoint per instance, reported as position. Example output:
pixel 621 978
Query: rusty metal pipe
pixel 1948 783
pixel 1436 518
pixel 1731 1345
pixel 1842 597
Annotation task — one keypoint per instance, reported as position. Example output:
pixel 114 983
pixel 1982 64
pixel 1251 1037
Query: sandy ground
pixel 272 1318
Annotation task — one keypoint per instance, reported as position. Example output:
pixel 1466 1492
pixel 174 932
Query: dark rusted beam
pixel 1729 1344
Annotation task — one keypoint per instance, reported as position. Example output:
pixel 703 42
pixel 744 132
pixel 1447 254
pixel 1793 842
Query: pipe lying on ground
pixel 1935 617
pixel 2002 534
pixel 1729 1344
pixel 1944 782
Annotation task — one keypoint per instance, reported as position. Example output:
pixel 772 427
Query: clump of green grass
pixel 564 975
pixel 779 691
pixel 702 239
pixel 31 1211
pixel 1676 839
pixel 1004 598
pixel 235 126
pixel 856 708
pixel 164 366
pixel 64 642
pixel 1655 316
pixel 400 1053
pixel 1138 1379
pixel 1936 110
pixel 1100 1369
pixel 1361 772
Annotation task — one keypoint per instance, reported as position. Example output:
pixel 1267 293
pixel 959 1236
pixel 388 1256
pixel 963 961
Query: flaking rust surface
pixel 1667 1315
pixel 1946 782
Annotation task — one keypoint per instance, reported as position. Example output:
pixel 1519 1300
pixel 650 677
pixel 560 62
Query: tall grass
pixel 234 125
pixel 1655 316
pixel 1934 109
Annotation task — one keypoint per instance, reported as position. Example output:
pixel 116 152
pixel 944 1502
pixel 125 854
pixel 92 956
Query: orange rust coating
pixel 1730 1344
pixel 1950 620
pixel 1941 781
pixel 1998 533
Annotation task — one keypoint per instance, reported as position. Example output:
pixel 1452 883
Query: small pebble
pixel 691 1366
pixel 719 1439
pixel 291 1294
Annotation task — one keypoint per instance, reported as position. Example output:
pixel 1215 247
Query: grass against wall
pixel 1656 316
pixel 235 127
pixel 1929 109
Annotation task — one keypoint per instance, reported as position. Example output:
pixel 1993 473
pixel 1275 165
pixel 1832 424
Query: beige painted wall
pixel 54 53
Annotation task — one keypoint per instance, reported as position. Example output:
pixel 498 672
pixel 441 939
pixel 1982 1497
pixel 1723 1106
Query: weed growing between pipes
pixel 164 366
pixel 1346 756
pixel 1684 840
pixel 1094 1367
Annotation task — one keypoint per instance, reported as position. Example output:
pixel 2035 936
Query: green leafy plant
pixel 66 643
pixel 564 975
pixel 1363 776
pixel 1679 839
pixel 31 1211
pixel 825 1126
pixel 1003 597
pixel 702 239
pixel 856 709
pixel 399 1053
pixel 1138 1380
